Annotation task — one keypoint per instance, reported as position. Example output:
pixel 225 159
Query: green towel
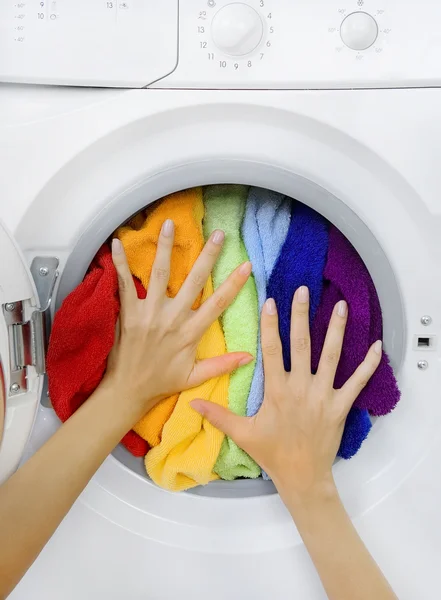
pixel 224 209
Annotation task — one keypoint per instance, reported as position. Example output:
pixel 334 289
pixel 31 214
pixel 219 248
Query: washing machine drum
pixel 387 455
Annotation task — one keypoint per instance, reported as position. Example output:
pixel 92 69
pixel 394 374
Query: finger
pixel 300 336
pixel 127 291
pixel 237 428
pixel 355 384
pixel 271 344
pixel 331 352
pixel 217 366
pixel 160 275
pixel 212 308
pixel 200 272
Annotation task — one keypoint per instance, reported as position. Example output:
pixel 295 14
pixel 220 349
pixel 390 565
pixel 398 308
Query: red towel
pixel 81 340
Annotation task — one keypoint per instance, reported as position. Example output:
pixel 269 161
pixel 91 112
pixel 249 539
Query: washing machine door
pixel 22 346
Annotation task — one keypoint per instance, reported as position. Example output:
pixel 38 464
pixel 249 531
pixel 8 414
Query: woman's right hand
pixel 297 432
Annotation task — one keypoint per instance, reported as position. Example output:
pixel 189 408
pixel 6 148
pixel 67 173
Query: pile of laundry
pixel 289 245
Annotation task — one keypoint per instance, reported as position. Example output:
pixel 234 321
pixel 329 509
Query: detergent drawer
pixel 100 43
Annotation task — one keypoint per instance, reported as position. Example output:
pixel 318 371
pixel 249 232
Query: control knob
pixel 359 31
pixel 237 29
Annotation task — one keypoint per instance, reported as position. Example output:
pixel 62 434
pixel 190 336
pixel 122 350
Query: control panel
pixel 222 44
pixel 308 44
pixel 121 43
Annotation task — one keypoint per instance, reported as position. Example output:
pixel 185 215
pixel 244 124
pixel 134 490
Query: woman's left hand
pixel 154 355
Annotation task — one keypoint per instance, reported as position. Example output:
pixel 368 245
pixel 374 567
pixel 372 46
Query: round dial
pixel 237 29
pixel 359 31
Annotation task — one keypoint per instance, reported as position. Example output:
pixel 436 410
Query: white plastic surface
pixel 124 536
pixel 133 43
pixel 15 285
pixel 237 29
pixel 302 47
pixel 118 43
pixel 359 31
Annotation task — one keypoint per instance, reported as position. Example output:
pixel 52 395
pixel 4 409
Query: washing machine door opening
pixel 143 193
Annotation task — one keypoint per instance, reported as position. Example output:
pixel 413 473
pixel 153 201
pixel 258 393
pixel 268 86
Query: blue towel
pixel 357 428
pixel 264 229
pixel 300 262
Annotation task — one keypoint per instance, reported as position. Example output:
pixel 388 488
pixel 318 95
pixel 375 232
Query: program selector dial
pixel 237 29
pixel 359 31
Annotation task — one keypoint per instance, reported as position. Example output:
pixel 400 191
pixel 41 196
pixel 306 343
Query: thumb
pixel 237 428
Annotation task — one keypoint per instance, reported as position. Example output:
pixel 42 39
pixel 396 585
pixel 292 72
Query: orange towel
pixel 140 238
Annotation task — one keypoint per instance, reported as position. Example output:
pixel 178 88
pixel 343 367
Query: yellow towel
pixel 190 445
pixel 140 238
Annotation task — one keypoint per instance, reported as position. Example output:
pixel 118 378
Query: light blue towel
pixel 264 229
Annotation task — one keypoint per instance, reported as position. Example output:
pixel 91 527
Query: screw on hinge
pixel 14 388
pixel 43 271
pixel 422 365
pixel 10 306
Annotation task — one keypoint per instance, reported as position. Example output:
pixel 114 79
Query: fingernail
pixel 245 361
pixel 245 269
pixel 270 306
pixel 342 308
pixel 303 294
pixel 116 246
pixel 167 228
pixel 196 405
pixel 218 237
pixel 378 346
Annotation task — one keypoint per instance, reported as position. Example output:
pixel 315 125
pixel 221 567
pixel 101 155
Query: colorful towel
pixel 264 229
pixel 190 445
pixel 81 340
pixel 357 428
pixel 140 239
pixel 348 278
pixel 224 209
pixel 301 262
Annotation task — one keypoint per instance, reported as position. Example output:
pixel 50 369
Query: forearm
pixel 345 567
pixel 36 498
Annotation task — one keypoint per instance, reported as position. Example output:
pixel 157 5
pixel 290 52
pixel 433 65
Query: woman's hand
pixel 153 357
pixel 297 432
pixel 295 437
pixel 155 349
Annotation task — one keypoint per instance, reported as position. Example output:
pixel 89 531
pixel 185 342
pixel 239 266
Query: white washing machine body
pixel 77 162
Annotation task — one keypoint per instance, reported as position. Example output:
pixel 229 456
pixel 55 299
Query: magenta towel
pixel 347 278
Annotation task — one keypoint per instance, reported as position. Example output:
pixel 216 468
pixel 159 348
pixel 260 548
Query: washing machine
pixel 107 106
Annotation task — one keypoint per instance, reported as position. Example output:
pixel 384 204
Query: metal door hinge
pixel 27 338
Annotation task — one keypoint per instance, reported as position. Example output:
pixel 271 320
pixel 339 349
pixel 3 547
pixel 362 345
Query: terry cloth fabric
pixel 81 340
pixel 358 423
pixel 190 445
pixel 264 229
pixel 357 428
pixel 224 209
pixel 348 278
pixel 301 262
pixel 140 239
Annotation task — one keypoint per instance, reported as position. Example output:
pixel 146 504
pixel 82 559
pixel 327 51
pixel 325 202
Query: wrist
pixel 124 401
pixel 314 498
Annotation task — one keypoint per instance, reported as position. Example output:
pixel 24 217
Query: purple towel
pixel 347 278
